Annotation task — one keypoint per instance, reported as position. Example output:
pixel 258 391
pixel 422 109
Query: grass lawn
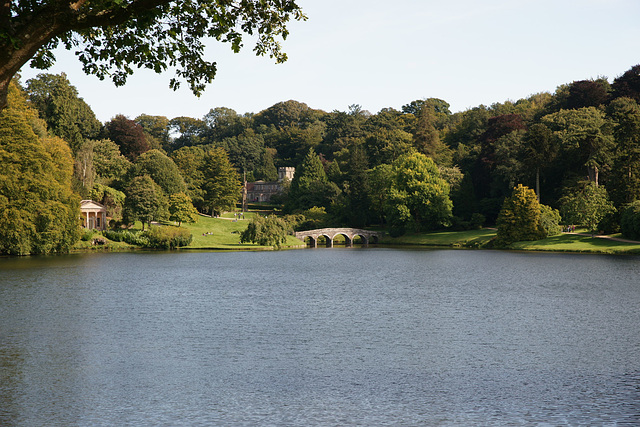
pixel 479 238
pixel 459 239
pixel 221 233
pixel 111 246
pixel 576 243
pixel 224 234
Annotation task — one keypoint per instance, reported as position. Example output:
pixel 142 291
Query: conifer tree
pixel 519 218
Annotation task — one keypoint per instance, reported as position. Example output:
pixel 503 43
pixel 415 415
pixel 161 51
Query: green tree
pixel 310 186
pixel 379 179
pixel 84 169
pixel 190 161
pixel 221 184
pixel 66 114
pixel 418 196
pixel 245 150
pixel 181 209
pixel 156 127
pixel 550 220
pixel 430 115
pixel 266 169
pixel 628 84
pixel 110 198
pixel 189 132
pixel 630 221
pixel 266 231
pixel 625 179
pixel 145 201
pixel 225 123
pixel 586 205
pixel 539 150
pixel 587 93
pixel 113 37
pixel 585 137
pixel 519 218
pixel 292 128
pixel 38 211
pixel 162 170
pixel 109 164
pixel 357 204
pixel 386 146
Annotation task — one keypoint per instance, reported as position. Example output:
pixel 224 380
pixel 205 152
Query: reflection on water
pixel 320 337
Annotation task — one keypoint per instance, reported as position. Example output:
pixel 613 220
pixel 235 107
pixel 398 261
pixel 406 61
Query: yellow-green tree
pixel 519 218
pixel 181 209
pixel 418 197
pixel 38 211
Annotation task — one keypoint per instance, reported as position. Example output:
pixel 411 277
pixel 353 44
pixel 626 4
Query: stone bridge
pixel 329 234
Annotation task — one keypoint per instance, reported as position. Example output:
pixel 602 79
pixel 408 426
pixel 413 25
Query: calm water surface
pixel 320 337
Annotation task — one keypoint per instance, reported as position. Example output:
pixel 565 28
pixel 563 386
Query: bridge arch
pixel 329 234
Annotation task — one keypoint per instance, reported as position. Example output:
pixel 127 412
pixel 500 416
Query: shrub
pixel 550 220
pixel 131 237
pixel 610 224
pixel 630 221
pixel 87 235
pixel 167 237
pixel 477 221
pixel 269 231
pixel 458 224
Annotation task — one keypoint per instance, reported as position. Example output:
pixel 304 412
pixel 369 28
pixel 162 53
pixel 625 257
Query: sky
pixel 381 54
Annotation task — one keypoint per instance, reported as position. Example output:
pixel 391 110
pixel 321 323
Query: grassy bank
pixel 578 243
pixel 455 239
pixel 480 238
pixel 208 233
pixel 224 233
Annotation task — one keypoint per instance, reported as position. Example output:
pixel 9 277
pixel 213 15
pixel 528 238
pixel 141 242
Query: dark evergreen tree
pixel 628 84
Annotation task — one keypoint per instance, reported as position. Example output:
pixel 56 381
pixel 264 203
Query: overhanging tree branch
pixel 143 33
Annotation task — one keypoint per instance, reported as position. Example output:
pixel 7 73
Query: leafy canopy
pixel 586 205
pixel 38 211
pixel 519 218
pixel 418 196
pixel 181 209
pixel 269 231
pixel 112 37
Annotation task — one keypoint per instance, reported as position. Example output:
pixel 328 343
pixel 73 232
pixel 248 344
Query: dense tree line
pixel 418 168
pixel 586 132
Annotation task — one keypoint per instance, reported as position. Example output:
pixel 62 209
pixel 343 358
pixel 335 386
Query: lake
pixel 326 337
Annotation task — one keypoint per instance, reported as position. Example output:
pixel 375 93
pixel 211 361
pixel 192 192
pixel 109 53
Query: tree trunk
pixel 23 35
pixel 538 183
pixel 593 174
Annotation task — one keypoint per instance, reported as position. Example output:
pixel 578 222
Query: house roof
pixel 91 205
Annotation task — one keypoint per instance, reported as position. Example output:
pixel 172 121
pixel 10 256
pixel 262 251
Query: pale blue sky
pixel 386 54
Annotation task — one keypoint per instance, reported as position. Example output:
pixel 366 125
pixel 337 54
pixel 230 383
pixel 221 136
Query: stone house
pixel 261 191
